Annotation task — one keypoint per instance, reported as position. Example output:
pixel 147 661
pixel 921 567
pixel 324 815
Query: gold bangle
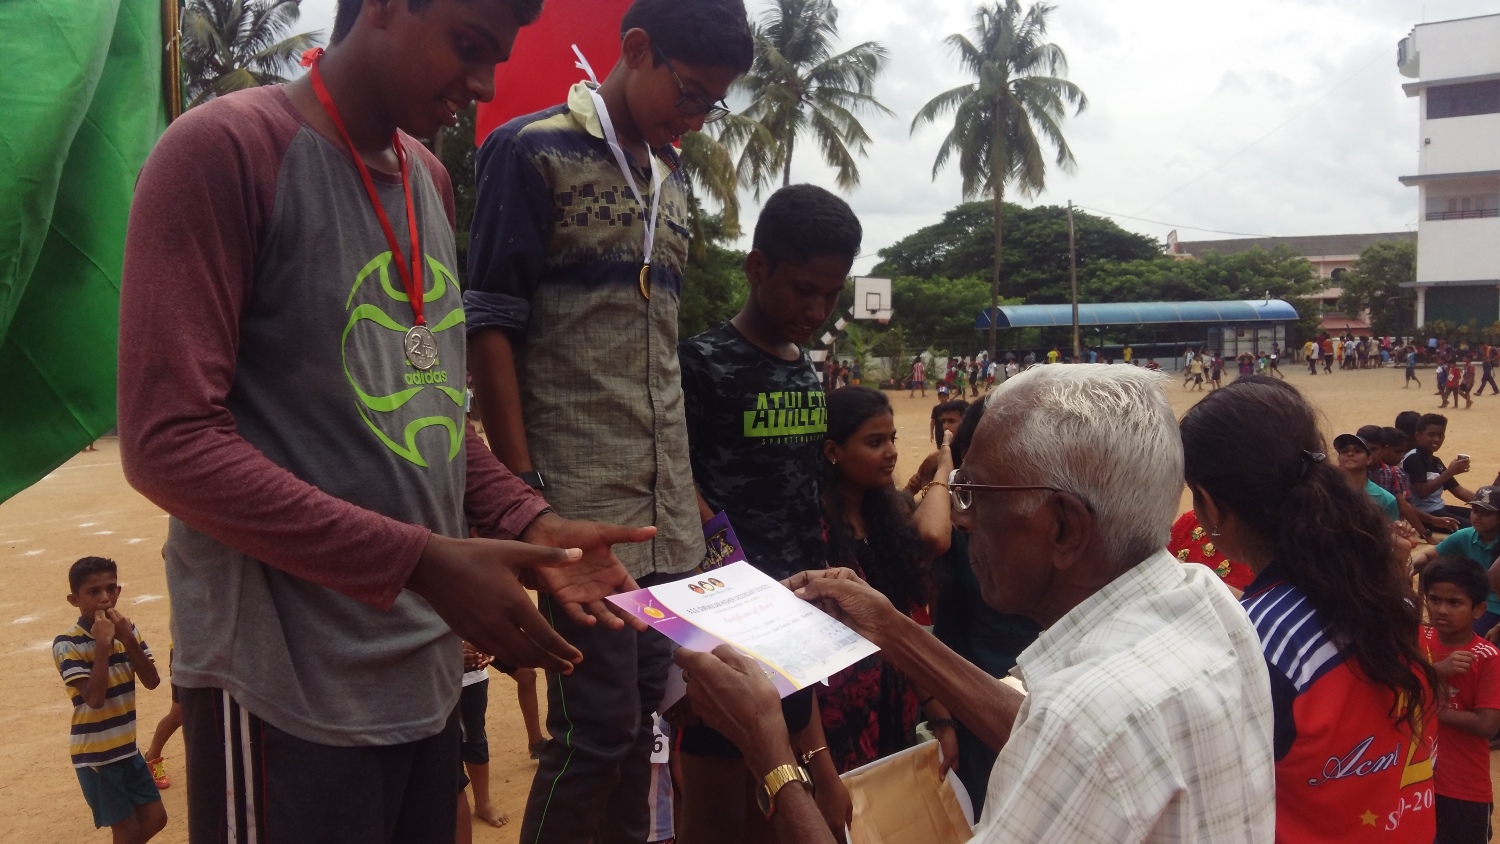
pixel 931 484
pixel 808 756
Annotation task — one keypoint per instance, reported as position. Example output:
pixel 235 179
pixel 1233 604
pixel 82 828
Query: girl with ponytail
pixel 1338 622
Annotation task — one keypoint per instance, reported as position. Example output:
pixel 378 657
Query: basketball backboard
pixel 872 298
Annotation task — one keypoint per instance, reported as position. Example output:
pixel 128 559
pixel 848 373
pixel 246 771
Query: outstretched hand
pixel 473 585
pixel 581 587
pixel 842 594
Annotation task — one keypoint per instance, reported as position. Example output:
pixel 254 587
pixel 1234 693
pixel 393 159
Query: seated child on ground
pixel 1479 543
pixel 1430 477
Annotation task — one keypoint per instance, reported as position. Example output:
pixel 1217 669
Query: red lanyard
pixel 411 277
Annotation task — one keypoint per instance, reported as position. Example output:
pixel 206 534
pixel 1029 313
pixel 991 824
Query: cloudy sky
pixel 1276 117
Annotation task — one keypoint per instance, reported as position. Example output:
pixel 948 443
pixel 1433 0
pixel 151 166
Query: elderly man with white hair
pixel 1148 715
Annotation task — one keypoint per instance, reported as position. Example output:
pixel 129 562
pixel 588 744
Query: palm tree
pixel 230 45
pixel 799 85
pixel 1019 94
pixel 709 169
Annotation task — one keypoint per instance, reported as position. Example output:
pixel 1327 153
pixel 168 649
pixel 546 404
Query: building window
pixel 1463 207
pixel 1463 100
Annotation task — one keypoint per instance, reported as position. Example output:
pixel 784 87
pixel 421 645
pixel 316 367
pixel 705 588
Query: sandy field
pixel 85 507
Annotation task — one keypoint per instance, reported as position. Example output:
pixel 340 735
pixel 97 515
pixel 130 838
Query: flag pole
pixel 1073 271
pixel 171 68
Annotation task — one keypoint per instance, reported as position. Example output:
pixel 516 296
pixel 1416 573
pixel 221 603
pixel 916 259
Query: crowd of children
pixel 1347 352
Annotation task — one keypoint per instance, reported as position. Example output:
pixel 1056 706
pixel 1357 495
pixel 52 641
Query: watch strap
pixel 778 779
pixel 532 479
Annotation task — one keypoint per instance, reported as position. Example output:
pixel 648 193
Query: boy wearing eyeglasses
pixel 576 254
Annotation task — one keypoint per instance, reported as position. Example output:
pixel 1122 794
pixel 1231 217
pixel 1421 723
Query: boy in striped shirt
pixel 99 659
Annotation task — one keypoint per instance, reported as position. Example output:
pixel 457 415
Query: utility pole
pixel 1073 270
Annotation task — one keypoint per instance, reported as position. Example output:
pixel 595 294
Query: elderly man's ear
pixel 1074 531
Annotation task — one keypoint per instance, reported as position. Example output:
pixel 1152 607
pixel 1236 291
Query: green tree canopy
pixel 939 310
pixel 231 45
pixel 713 282
pixel 939 275
pixel 1375 279
pixel 1035 255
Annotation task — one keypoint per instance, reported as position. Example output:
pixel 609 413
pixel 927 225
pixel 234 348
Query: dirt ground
pixel 85 507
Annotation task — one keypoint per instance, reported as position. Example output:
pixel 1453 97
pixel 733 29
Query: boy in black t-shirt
pixel 1430 477
pixel 756 419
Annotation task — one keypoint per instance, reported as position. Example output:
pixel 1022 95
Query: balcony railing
pixel 1472 214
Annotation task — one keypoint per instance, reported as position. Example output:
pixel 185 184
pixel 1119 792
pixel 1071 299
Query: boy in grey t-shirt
pixel 290 393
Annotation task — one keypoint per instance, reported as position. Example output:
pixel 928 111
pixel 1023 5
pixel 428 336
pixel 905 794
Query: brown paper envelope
pixel 901 799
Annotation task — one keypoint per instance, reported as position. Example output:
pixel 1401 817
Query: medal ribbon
pixel 614 146
pixel 411 276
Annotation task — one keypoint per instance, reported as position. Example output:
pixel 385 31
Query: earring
pixel 1213 532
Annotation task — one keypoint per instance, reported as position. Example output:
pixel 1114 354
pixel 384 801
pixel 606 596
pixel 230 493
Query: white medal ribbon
pixel 611 138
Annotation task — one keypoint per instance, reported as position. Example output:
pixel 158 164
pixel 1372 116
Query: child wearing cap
pixel 1354 459
pixel 1480 543
pixel 1386 447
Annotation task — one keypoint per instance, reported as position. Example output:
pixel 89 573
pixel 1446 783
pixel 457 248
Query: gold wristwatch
pixel 765 795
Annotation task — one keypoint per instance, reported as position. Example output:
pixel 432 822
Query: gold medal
pixel 646 281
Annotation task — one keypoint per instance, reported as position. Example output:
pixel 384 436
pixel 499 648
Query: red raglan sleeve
pixel 202 202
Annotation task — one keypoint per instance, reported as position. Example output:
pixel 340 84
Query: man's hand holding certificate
pixel 795 643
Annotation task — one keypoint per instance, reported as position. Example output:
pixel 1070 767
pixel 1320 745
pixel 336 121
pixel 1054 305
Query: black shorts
pixel 1461 821
pixel 473 702
pixel 278 787
pixel 703 740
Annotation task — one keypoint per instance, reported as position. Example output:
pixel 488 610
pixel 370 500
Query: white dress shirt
pixel 1148 719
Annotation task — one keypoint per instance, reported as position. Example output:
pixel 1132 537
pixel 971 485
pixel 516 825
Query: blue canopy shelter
pixel 1233 327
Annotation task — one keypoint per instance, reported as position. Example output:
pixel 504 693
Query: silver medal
pixel 421 348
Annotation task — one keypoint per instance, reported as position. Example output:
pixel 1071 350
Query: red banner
pixel 541 68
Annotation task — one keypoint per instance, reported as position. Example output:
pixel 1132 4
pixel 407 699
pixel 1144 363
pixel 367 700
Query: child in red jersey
pixel 1468 702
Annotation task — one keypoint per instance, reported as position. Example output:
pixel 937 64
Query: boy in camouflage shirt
pixel 756 420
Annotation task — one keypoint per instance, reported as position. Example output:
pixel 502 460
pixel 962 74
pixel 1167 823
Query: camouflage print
pixel 755 428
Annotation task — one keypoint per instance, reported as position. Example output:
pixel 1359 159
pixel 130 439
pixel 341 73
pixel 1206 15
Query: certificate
pixel 796 643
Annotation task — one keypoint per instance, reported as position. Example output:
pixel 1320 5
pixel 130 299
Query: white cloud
pixel 1178 89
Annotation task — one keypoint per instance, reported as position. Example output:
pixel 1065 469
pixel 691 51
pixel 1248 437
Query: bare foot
pixel 492 816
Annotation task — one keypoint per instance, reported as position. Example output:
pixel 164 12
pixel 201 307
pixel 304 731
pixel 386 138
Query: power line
pixel 1173 225
pixel 1305 109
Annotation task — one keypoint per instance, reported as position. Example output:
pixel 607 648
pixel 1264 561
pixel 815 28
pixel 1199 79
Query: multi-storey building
pixel 1457 67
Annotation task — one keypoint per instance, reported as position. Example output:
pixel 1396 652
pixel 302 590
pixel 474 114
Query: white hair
pixel 1104 433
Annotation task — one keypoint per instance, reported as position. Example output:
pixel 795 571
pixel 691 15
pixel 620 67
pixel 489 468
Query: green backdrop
pixel 82 103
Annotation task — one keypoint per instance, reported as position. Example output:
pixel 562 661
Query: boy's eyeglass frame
pixel 690 104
